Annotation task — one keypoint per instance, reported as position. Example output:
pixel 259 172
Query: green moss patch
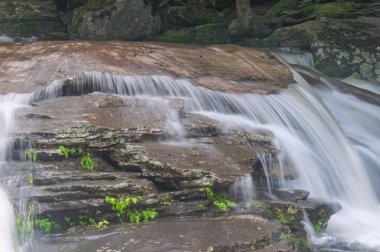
pixel 185 35
pixel 212 34
pixel 335 9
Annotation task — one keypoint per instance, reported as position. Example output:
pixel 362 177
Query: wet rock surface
pixel 242 69
pixel 186 234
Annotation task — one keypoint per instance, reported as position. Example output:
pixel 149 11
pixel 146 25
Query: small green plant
pixel 31 155
pixel 87 163
pixel 101 224
pixel 25 227
pixel 30 181
pixel 70 222
pixel 284 218
pixel 149 214
pixel 317 62
pixel 259 206
pixel 294 241
pixel 201 206
pixel 30 221
pixel 166 203
pixel 46 225
pixel 319 226
pixel 135 216
pixel 121 204
pixel 219 199
pixel 64 150
pixel 83 220
pixel 20 228
pixel 123 207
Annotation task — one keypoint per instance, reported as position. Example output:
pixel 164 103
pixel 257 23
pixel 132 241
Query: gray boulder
pixel 119 19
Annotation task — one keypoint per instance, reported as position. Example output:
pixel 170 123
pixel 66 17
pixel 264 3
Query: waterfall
pixel 296 57
pixel 8 104
pixel 372 87
pixel 325 159
pixel 243 190
pixel 330 161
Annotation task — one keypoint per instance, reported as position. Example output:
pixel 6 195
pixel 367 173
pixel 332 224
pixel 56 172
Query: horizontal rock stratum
pixel 31 67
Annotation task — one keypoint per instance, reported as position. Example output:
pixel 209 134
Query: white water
pixel 296 57
pixel 361 122
pixel 8 104
pixel 329 164
pixel 374 88
pixel 243 190
pixel 5 39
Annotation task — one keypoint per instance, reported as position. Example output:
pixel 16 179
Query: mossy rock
pixel 235 28
pixel 346 34
pixel 336 10
pixel 31 27
pixel 212 34
pixel 282 7
pixel 95 5
pixel 289 37
pixel 332 69
pixel 185 35
pixel 206 16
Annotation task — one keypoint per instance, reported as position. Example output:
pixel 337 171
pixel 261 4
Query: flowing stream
pixel 329 140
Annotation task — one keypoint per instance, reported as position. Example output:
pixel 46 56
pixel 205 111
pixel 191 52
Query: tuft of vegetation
pixel 30 181
pixel 319 226
pixel 87 163
pixel 25 226
pixel 135 216
pixel 284 218
pixel 30 221
pixel 166 203
pixel 294 241
pixel 259 206
pixel 101 224
pixel 20 228
pixel 31 155
pixel 47 226
pixel 124 207
pixel 219 199
pixel 64 150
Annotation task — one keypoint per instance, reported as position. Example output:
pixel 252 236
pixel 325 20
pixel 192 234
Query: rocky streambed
pixel 154 146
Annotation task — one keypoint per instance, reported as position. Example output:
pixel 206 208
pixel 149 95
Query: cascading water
pixel 243 190
pixel 8 104
pixel 374 88
pixel 308 137
pixel 296 57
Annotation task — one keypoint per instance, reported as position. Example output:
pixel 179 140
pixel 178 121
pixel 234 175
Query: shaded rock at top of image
pixel 113 20
pixel 31 19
